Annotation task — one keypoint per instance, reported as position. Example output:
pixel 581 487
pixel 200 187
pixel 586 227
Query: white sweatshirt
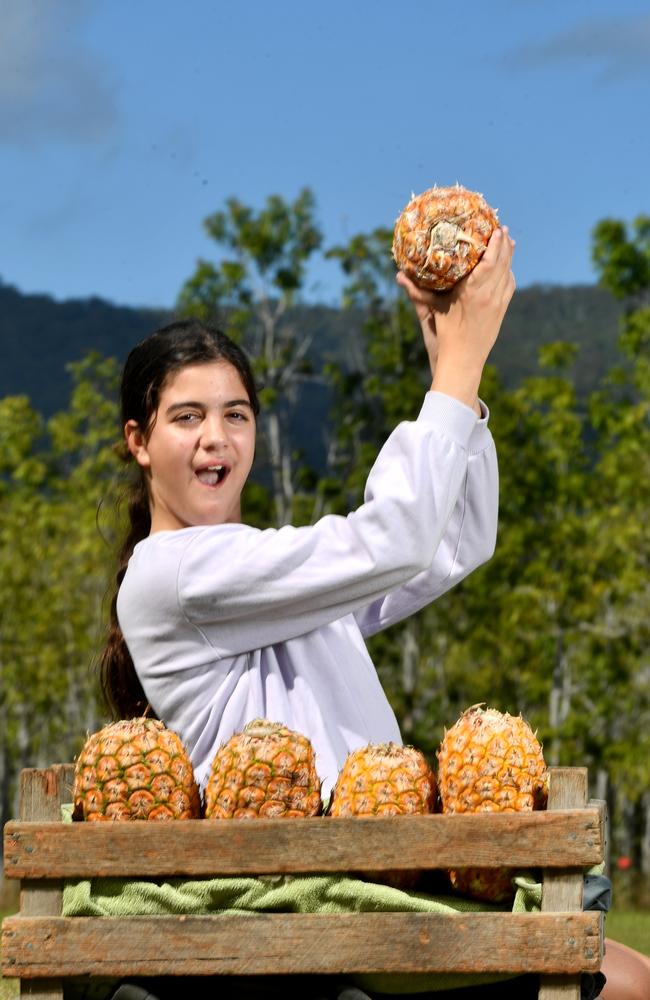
pixel 227 623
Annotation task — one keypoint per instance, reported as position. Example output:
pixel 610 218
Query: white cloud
pixel 51 87
pixel 618 46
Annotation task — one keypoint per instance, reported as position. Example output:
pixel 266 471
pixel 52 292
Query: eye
pixel 186 418
pixel 237 415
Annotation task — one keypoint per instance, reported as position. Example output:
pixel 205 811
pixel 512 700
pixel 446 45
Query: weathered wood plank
pixel 205 847
pixel 562 888
pixel 568 790
pixel 294 942
pixel 41 795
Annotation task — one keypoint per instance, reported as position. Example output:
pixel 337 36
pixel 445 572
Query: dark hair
pixel 147 369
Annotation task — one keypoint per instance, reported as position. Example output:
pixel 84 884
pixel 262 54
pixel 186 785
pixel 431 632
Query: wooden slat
pixel 41 795
pixel 568 789
pixel 562 888
pixel 296 942
pixel 211 847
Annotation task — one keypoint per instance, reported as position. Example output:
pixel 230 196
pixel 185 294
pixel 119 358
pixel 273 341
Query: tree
pixel 53 570
pixel 621 414
pixel 251 289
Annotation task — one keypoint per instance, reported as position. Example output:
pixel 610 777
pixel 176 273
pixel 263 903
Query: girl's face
pixel 199 450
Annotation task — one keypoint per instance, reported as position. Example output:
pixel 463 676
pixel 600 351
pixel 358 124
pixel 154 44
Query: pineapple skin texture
pixel 441 235
pixel 385 780
pixel 490 762
pixel 134 769
pixel 267 770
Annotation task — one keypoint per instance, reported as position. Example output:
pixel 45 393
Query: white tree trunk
pixel 280 471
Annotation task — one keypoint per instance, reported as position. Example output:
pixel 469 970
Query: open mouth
pixel 212 475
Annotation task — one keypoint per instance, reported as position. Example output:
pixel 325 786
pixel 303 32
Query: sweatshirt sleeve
pixel 468 542
pixel 245 589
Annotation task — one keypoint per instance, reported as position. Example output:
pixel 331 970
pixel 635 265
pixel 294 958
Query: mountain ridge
pixel 40 336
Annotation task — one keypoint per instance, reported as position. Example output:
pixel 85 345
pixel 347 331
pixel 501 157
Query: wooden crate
pixel 41 947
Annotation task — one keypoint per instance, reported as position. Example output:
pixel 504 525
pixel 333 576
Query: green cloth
pixel 113 897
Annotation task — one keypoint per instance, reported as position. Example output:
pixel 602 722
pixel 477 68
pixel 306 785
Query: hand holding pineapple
pixel 460 326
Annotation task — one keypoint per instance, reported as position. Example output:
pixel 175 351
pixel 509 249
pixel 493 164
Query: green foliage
pixel 271 249
pixel 53 570
pixel 368 263
pixel 622 258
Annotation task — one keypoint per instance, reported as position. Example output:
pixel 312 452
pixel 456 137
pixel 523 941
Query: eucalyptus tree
pixel 260 274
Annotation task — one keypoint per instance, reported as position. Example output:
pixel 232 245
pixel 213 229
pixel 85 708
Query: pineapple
pixel 265 770
pixel 385 780
pixel 490 762
pixel 134 769
pixel 441 235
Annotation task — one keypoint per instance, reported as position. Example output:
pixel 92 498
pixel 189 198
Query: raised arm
pixel 460 327
pixel 463 325
pixel 468 541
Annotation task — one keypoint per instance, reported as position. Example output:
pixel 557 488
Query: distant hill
pixel 40 336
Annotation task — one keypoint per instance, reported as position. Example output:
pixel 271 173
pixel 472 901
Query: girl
pixel 215 622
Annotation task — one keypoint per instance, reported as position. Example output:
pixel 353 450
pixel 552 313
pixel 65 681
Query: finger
pixel 414 292
pixel 496 261
pixel 511 244
pixel 495 246
pixel 507 277
pixel 504 288
pixel 423 300
pixel 490 264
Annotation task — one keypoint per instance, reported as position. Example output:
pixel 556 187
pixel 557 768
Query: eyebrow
pixel 200 406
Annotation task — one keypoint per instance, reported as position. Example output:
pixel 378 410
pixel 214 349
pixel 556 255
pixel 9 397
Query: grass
pixel 630 927
pixel 9 988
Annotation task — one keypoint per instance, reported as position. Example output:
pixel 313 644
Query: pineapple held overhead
pixel 441 235
pixel 135 769
pixel 266 770
pixel 490 762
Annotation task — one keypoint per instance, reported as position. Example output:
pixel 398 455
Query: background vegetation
pixel 555 626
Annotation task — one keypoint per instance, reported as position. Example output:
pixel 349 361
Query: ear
pixel 136 443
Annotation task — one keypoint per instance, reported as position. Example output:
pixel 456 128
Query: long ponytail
pixel 147 368
pixel 119 682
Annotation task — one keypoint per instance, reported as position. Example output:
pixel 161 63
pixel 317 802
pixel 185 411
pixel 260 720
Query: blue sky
pixel 124 123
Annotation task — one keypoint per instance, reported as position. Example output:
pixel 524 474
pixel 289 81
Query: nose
pixel 213 432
